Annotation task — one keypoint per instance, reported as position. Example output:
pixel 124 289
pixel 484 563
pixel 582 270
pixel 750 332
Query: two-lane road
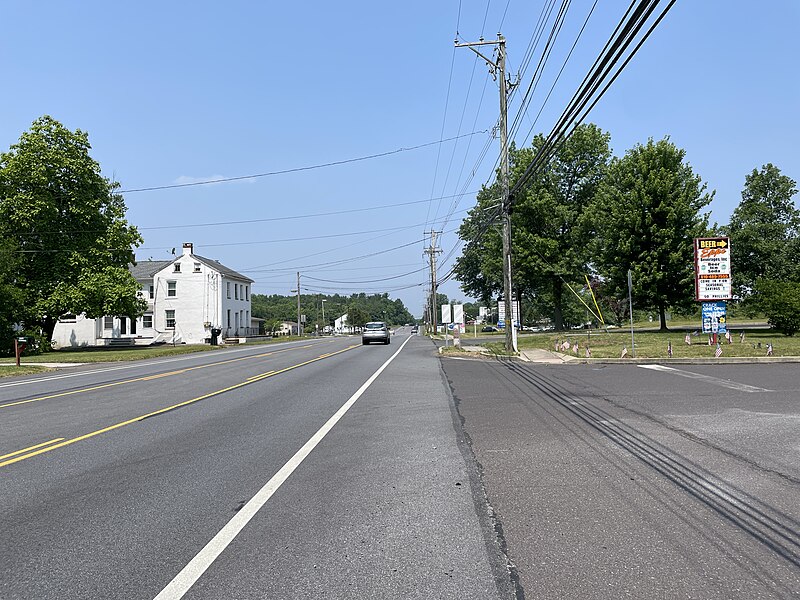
pixel 309 469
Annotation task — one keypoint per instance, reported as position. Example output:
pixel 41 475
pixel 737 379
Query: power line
pixel 628 28
pixel 249 221
pixel 296 169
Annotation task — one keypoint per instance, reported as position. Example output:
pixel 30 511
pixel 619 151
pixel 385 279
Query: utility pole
pixel 299 330
pixel 498 71
pixel 432 251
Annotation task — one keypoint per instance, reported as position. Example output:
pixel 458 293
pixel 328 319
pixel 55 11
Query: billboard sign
pixel 712 267
pixel 715 318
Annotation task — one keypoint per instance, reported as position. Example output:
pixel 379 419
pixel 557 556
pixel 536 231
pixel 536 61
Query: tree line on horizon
pixel 360 308
pixel 590 214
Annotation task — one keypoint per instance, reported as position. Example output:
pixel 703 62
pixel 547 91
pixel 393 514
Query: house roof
pixel 226 271
pixel 146 269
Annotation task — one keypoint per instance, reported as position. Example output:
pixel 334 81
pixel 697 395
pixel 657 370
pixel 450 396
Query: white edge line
pixel 187 577
pixel 734 385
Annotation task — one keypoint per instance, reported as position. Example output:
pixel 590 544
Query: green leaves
pixel 780 302
pixel 649 206
pixel 68 228
pixel 764 230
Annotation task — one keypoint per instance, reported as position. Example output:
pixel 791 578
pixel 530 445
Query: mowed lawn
pixel 110 354
pixel 650 344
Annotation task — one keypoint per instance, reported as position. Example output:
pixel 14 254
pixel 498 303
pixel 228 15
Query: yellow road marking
pixel 259 376
pixel 61 444
pixel 148 377
pixel 10 454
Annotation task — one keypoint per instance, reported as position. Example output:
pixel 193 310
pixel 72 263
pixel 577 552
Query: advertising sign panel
pixel 712 264
pixel 715 319
pixel 501 312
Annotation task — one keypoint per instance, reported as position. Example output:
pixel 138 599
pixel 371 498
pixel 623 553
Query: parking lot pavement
pixel 611 481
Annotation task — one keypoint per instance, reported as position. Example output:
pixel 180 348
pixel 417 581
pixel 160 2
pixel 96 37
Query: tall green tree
pixel 11 296
pixel 68 225
pixel 549 243
pixel 645 218
pixel 764 230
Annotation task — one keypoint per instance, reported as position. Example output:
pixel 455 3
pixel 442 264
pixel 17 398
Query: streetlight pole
pixel 323 316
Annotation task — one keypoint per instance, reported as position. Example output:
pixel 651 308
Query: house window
pixel 108 322
pixel 229 317
pixel 236 290
pixel 152 292
pixel 196 267
pixel 247 292
pixel 172 289
pixel 68 318
pixel 147 321
pixel 177 267
pixel 229 293
pixel 170 316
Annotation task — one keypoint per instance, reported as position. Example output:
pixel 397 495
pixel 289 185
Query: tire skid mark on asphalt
pixel 150 377
pixel 767 525
pixel 149 415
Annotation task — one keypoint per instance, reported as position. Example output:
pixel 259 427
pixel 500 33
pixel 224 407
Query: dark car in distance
pixel 376 331
pixel 488 328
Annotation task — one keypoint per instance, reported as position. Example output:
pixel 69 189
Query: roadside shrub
pixel 780 303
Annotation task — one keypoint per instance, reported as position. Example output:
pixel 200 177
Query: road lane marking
pixel 137 364
pixel 10 454
pixel 742 387
pixel 187 577
pixel 148 377
pixel 152 414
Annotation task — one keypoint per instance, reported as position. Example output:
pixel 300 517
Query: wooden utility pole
pixel 432 251
pixel 498 71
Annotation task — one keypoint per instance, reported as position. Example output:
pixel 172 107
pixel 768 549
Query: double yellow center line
pixel 150 377
pixel 32 451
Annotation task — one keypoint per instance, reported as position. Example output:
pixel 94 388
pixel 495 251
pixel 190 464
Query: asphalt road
pixel 621 481
pixel 298 470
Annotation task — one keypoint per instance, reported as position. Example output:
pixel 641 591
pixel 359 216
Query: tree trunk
pixel 662 316
pixel 558 320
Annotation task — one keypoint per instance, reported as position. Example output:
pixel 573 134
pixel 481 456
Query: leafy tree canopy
pixel 764 230
pixel 645 219
pixel 68 227
pixel 549 243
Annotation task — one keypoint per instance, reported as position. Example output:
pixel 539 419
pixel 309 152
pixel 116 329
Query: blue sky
pixel 181 92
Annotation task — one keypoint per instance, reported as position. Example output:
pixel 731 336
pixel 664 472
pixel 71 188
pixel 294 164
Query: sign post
pixel 446 319
pixel 458 319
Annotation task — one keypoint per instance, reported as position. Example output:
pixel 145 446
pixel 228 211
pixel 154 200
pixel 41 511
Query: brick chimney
pixel 188 248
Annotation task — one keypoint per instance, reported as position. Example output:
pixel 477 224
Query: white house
pixel 340 325
pixel 186 297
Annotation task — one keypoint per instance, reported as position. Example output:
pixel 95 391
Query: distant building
pixel 186 297
pixel 340 325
